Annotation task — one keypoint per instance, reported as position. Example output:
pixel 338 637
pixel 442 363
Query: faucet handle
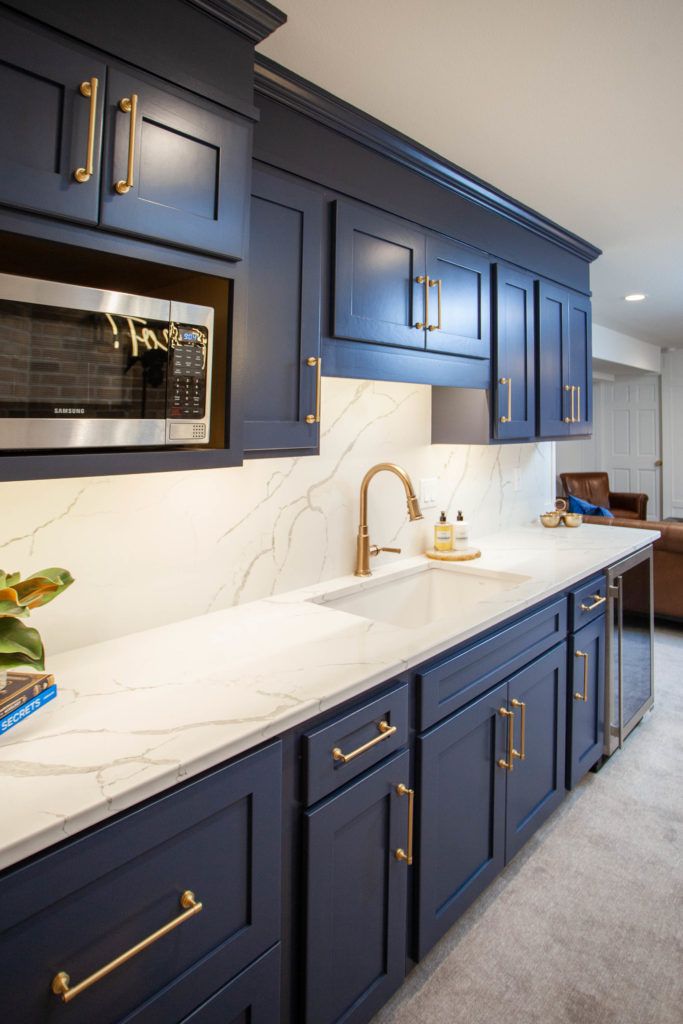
pixel 374 550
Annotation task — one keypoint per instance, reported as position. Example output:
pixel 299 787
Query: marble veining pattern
pixel 139 713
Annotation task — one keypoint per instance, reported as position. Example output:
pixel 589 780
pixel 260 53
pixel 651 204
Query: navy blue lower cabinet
pixel 536 776
pixel 356 890
pixel 461 813
pixel 74 910
pixel 585 700
pixel 253 997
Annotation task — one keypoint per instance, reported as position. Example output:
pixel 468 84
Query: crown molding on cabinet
pixel 284 86
pixel 255 19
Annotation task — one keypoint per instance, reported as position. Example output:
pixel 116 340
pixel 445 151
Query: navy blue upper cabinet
pixel 377 295
pixel 174 170
pixel 50 96
pixel 356 892
pixel 564 362
pixel 585 699
pixel 281 396
pixel 536 780
pixel 458 295
pixel 514 373
pixel 461 809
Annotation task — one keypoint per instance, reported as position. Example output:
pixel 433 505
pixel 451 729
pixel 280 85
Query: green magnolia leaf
pixel 43 586
pixel 20 661
pixel 9 602
pixel 18 641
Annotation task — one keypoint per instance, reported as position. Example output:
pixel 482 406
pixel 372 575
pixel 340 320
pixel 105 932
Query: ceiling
pixel 571 106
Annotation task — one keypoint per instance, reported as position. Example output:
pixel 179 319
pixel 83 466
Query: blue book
pixel 21 709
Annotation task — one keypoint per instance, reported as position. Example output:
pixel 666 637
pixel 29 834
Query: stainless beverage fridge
pixel 629 690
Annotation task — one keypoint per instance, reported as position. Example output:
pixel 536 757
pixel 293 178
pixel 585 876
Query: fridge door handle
pixel 620 655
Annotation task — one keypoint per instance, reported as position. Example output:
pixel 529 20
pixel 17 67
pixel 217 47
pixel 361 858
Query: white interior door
pixel 672 429
pixel 631 443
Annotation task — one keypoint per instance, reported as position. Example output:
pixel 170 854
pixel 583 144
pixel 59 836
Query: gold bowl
pixel 572 518
pixel 550 519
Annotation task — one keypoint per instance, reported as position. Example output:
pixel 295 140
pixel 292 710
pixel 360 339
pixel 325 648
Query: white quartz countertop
pixel 138 714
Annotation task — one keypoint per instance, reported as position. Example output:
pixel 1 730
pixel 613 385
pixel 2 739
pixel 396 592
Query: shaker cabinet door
pixel 50 125
pixel 282 383
pixel 514 381
pixel 461 813
pixel 536 783
pixel 585 700
pixel 554 386
pixel 356 892
pixel 459 299
pixel 174 170
pixel 378 259
pixel 581 362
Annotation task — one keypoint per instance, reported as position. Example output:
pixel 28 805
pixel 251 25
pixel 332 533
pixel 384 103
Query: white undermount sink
pixel 421 596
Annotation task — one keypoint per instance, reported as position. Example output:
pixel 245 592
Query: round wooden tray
pixel 464 555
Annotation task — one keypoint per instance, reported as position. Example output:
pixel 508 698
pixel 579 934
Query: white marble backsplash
pixel 152 549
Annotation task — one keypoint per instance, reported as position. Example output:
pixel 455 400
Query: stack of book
pixel 21 694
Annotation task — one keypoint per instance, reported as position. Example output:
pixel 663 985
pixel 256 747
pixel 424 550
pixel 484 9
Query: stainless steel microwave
pixel 85 368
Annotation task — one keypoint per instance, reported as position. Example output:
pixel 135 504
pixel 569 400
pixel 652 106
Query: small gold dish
pixel 550 519
pixel 572 518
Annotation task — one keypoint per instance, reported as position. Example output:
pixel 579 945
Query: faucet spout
pixel 363 547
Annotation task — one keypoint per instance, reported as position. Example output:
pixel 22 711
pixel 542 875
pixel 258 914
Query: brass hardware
pixel 61 982
pixel 89 90
pixel 522 743
pixel 129 106
pixel 569 419
pixel 502 763
pixel 508 381
pixel 317 362
pixel 423 279
pixel 578 404
pixel 658 463
pixel 437 284
pixel 583 696
pixel 410 793
pixel 597 600
pixel 385 731
pixel 363 547
pixel 375 550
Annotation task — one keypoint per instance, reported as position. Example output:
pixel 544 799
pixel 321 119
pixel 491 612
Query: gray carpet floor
pixel 585 926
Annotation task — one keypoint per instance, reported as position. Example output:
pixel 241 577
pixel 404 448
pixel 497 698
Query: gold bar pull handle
pixel 583 696
pixel 385 731
pixel 314 417
pixel 61 983
pixel 578 404
pixel 502 763
pixel 508 381
pixel 569 419
pixel 400 853
pixel 423 279
pixel 439 325
pixel 129 105
pixel 597 600
pixel 89 90
pixel 521 753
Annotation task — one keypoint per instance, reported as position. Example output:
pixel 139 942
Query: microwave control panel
pixel 187 377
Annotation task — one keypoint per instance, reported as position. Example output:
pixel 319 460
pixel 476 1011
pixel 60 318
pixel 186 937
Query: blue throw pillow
pixel 586 509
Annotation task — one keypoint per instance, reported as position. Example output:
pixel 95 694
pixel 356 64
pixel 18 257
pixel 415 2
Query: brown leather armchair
pixel 594 487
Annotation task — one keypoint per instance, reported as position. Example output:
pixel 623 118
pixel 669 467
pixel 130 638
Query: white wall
pixel 672 432
pixel 157 548
pixel 624 351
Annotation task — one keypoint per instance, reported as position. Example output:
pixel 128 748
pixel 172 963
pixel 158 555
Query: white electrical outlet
pixel 429 492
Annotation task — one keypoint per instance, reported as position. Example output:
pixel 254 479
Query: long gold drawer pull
pixel 508 381
pixel 583 696
pixel 597 600
pixel 521 754
pixel 129 105
pixel 424 279
pixel 502 763
pixel 410 793
pixel 61 982
pixel 318 363
pixel 578 404
pixel 436 284
pixel 570 419
pixel 89 90
pixel 385 731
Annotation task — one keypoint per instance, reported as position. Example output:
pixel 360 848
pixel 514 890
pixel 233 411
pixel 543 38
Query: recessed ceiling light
pixel 635 297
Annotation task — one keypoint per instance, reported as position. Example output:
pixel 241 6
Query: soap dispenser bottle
pixel 443 534
pixel 462 533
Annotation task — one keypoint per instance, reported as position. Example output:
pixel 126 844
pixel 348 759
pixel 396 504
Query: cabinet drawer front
pixel 585 604
pixel 84 905
pixel 253 997
pixel 585 717
pixel 325 772
pixel 458 679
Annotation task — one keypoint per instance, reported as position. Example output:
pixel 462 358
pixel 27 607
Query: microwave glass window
pixel 64 363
